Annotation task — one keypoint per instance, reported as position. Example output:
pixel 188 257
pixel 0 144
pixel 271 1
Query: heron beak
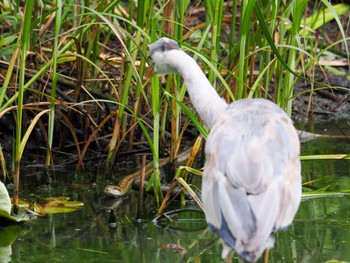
pixel 150 72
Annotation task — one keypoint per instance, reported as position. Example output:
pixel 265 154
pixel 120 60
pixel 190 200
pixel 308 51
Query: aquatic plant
pixel 73 82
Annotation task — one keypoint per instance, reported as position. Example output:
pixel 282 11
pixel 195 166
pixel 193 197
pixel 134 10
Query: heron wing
pixel 252 173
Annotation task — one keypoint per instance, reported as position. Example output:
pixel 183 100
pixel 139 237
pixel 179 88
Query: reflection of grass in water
pixel 321 224
pixel 321 229
pixel 323 170
pixel 325 146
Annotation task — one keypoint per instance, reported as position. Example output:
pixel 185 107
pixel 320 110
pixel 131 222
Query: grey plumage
pixel 251 175
pixel 251 184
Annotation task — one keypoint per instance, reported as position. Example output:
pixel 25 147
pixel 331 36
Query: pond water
pixel 320 231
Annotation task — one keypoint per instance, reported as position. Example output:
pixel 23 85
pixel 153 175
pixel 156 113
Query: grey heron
pixel 252 175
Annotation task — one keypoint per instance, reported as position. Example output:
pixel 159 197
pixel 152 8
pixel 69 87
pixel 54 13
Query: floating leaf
pixel 53 205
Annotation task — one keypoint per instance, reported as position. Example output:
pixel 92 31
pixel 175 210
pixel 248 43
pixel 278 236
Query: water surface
pixel 320 231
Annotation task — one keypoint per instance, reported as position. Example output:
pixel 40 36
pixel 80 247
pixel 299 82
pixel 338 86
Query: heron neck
pixel 207 102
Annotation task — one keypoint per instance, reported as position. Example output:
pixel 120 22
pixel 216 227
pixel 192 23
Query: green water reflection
pixel 320 231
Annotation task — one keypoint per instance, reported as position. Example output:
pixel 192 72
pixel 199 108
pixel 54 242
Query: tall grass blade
pixel 24 47
pixel 8 75
pixel 325 157
pixel 156 123
pixel 341 9
pixel 244 29
pixel 51 122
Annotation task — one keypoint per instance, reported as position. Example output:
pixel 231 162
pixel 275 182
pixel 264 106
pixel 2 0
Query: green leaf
pixel 314 21
pixel 316 194
pixel 7 40
pixel 191 115
pixel 269 39
pixel 52 205
pixel 5 207
pixel 5 204
pixel 325 157
pixel 8 235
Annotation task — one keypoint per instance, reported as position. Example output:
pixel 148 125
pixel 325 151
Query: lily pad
pixel 53 205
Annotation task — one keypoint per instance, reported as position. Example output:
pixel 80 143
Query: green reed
pixel 260 51
pixel 51 121
pixel 24 43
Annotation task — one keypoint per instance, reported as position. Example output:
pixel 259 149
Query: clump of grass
pixel 80 82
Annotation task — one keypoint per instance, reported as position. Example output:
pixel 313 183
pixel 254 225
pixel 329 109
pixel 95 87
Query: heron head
pixel 161 54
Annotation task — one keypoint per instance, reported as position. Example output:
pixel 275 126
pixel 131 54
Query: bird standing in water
pixel 252 180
